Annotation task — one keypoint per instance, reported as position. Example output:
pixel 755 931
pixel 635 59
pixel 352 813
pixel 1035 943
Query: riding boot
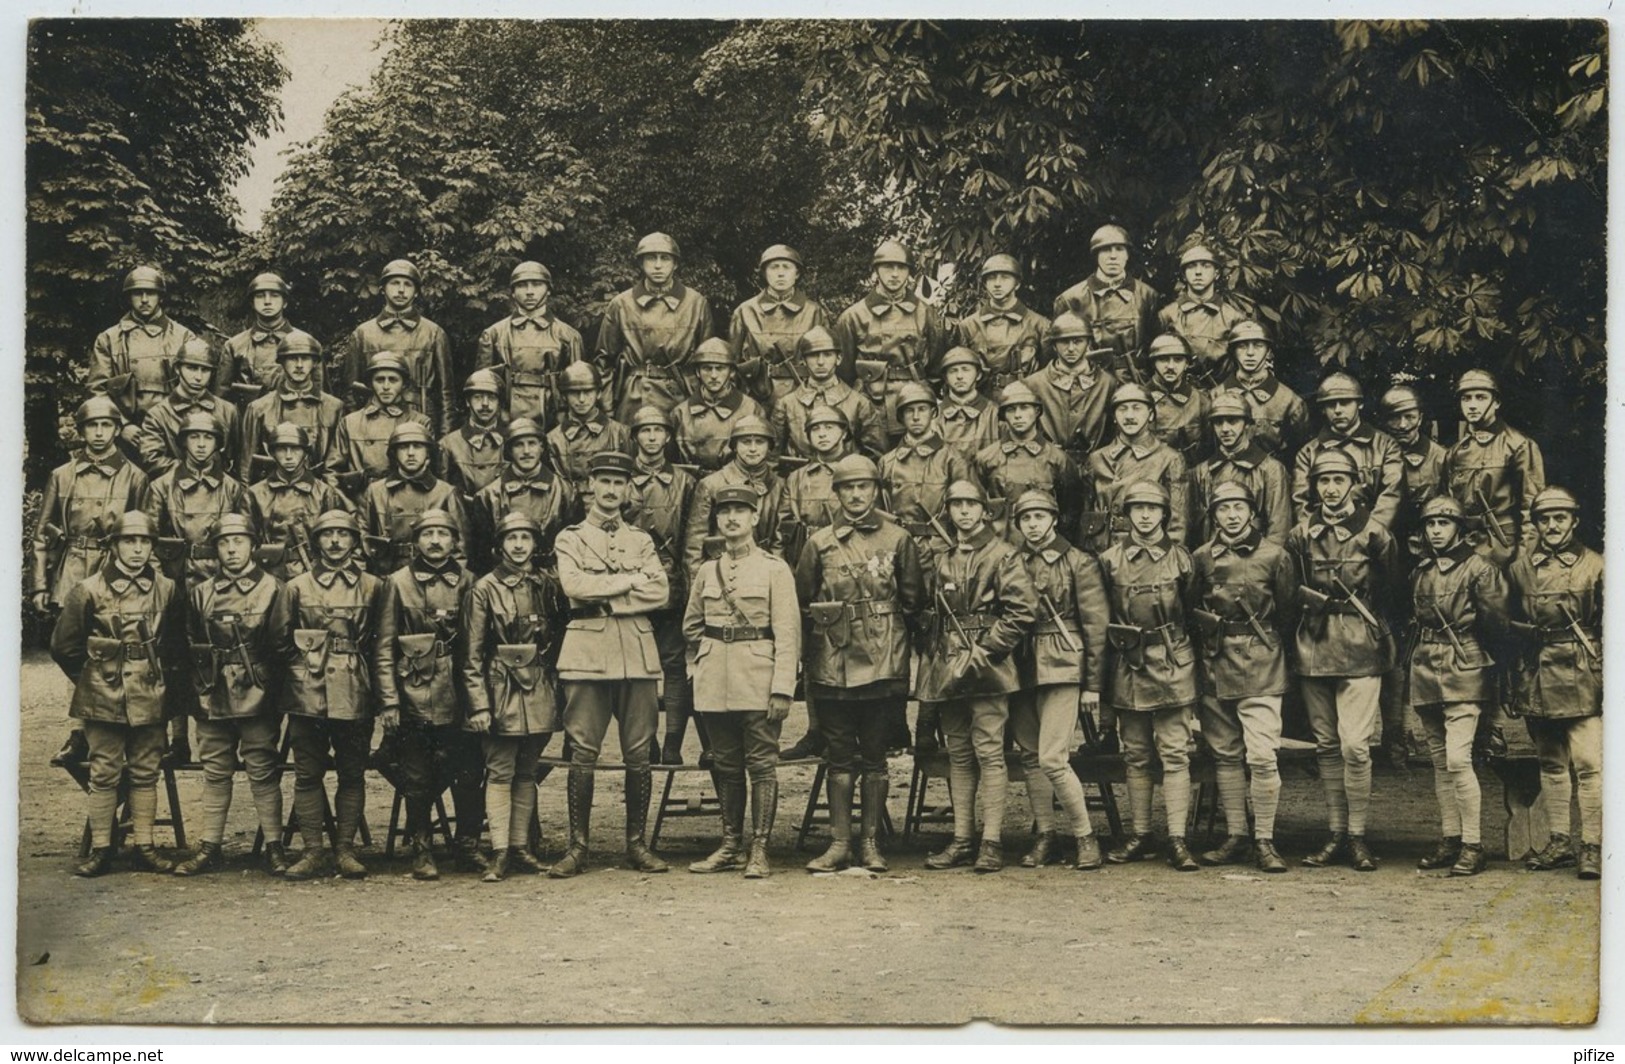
pixel 729 856
pixel 764 807
pixel 839 786
pixel 927 737
pixel 874 810
pixel 638 855
pixel 578 795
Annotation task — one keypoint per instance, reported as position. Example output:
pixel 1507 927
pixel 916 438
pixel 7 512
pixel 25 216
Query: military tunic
pixel 160 443
pixel 1461 592
pixel 419 637
pixel 864 419
pixel 572 443
pixel 1181 419
pixel 548 499
pixel 1011 467
pixel 769 487
pixel 471 457
pixel 1380 487
pixel 1280 416
pixel 361 444
pixel 746 590
pixel 968 426
pixel 1076 406
pixel 146 350
pixel 251 357
pixel 1558 679
pixel 530 350
pixel 515 620
pixel 1252 466
pixel 120 638
pixel 1121 316
pixel 762 334
pixel 983 582
pixel 391 505
pixel 1332 640
pixel 184 504
pixel 1241 582
pixel 334 616
pixel 884 343
pixel 914 477
pixel 82 502
pixel 1069 580
pixel 427 353
pixel 240 643
pixel 1205 325
pixel 283 510
pixel 318 413
pixel 1496 471
pixel 1120 463
pixel 646 342
pixel 610 637
pixel 1010 341
pixel 704 425
pixel 809 504
pixel 1151 586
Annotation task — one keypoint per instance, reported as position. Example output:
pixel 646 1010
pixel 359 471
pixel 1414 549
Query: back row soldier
pixel 362 443
pixel 253 356
pixel 650 332
pixel 1075 396
pixel 1202 316
pixel 159 443
pixel 471 454
pixel 528 349
pixel 1280 416
pixel 1119 311
pixel 820 387
pixel 1493 470
pixel 132 362
pixel 765 330
pixel 402 328
pixel 1008 335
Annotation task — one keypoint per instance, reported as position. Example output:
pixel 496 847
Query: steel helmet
pixel 1333 460
pixel 297 342
pixel 409 432
pixel 268 282
pixel 434 518
pixel 1145 491
pixel 894 252
pixel 530 271
pixel 195 352
pixel 1231 491
pixel 852 468
pixel 517 521
pixel 1034 500
pixel 1108 236
pixel 97 407
pixel 134 524
pixel 961 356
pixel 1068 326
pixel 779 253
pixel 579 376
pixel 382 360
pixel 1475 379
pixel 647 415
pixel 1554 499
pixel 657 244
pixel 1197 253
pixel 339 520
pixel 232 525
pixel 1130 393
pixel 964 490
pixel 287 434
pixel 1001 264
pixel 736 495
pixel 1337 387
pixel 713 352
pixel 521 428
pixel 144 279
pixel 1246 330
pixel 1230 404
pixel 401 268
pixel 827 415
pixel 1017 394
pixel 201 421
pixel 1400 399
pixel 814 340
pixel 1168 345
pixel 1444 506
pixel 483 380
pixel 913 392
pixel 751 425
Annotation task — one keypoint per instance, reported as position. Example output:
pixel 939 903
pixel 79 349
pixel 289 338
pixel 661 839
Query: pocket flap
pixel 310 639
pixel 102 648
pixel 517 655
pixel 416 647
pixel 589 624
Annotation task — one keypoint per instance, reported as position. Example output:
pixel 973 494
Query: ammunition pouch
pixel 1128 641
pixel 832 621
pixel 313 644
pixel 1314 600
pixel 521 663
pixel 107 656
pixel 1210 626
pixel 420 657
pixel 170 548
pixel 1092 523
pixel 271 555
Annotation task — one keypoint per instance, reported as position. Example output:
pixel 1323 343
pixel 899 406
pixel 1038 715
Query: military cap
pixel 287 434
pixel 713 352
pixel 853 468
pixel 1034 499
pixel 1068 326
pixel 521 427
pixel 1554 498
pixel 232 525
pixel 657 244
pixel 195 352
pixel 1017 394
pixel 202 421
pixel 827 415
pixel 964 490
pixel 517 521
pixel 382 360
pixel 1130 393
pixel 647 415
pixel 268 282
pixel 297 342
pixel 483 380
pixel 1145 491
pixel 1400 399
pixel 1338 386
pixel 579 376
pixel 1231 491
pixel 1001 264
pixel 1166 345
pixel 1229 404
pixel 97 407
pixel 736 495
pixel 779 253
pixel 409 432
pixel 814 340
pixel 134 523
pixel 750 425
pixel 894 252
pixel 1475 379
pixel 530 271
pixel 613 463
pixel 1108 236
pixel 144 279
pixel 914 392
pixel 433 518
pixel 1246 330
pixel 1198 253
pixel 1333 460
pixel 961 356
pixel 1444 506
pixel 401 268
pixel 341 520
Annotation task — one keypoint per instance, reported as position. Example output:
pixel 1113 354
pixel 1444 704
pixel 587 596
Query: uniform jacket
pixel 427 352
pixel 982 581
pixel 1333 640
pixel 572 442
pixel 333 614
pixel 83 500
pixel 763 333
pixel 1280 416
pixel 1381 486
pixel 159 443
pixel 1424 478
pixel 1118 464
pixel 967 427
pixel 1181 419
pixel 1251 465
pixel 1069 580
pixel 120 638
pixel 1010 467
pixel 1251 577
pixel 648 337
pixel 1503 466
pixel 610 637
pixel 1076 406
pixel 318 413
pixel 703 426
pixel 859 583
pixel 420 635
pixel 1010 341
pixel 471 457
pixel 251 357
pixel 1557 678
pixel 809 504
pixel 769 488
pixel 547 498
pixel 390 505
pixel 1122 316
pixel 361 444
pixel 241 644
pixel 1460 591
pixel 529 349
pixel 1205 325
pixel 514 623
pixel 742 589
pixel 907 335
pixel 283 510
pixel 868 430
pixel 1151 587
pixel 914 476
pixel 660 503
pixel 147 351
pixel 184 504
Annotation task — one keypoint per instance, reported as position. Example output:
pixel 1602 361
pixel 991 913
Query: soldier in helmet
pixel 1076 398
pixel 1238 458
pixel 583 430
pixel 286 503
pixel 1135 456
pixel 1179 408
pixel 423 347
pixel 527 484
pixel 1203 315
pixel 252 361
pixel 809 490
pixel 705 419
pixel 862 590
pixel 890 335
pixel 1379 484
pixel 970 420
pixel 297 399
pixel 238 623
pixel 1459 601
pixel 516 616
pixel 362 443
pixel 650 331
pixel 117 627
pixel 1493 470
pixel 159 444
pixel 1280 416
pixel 820 387
pixel 1062 667
pixel 916 473
pixel 416 661
pixel 1004 331
pixel 985 606
pixel 609 663
pixel 1346 566
pixel 1024 460
pixel 764 329
pixel 333 612
pixel 132 362
pixel 658 501
pixel 1245 591
pixel 744 626
pixel 471 454
pixel 1556 608
pixel 1151 585
pixel 186 502
pixel 391 505
pixel 752 466
pixel 529 347
pixel 1120 311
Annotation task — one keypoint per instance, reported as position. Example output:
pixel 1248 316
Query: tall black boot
pixel 639 857
pixel 729 856
pixel 578 796
pixel 874 810
pixel 839 855
pixel 764 806
pixel 350 801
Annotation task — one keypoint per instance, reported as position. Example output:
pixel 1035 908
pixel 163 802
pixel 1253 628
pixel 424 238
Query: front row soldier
pixel 116 629
pixel 1459 602
pixel 859 584
pixel 333 610
pixel 515 617
pixel 237 622
pixel 1245 593
pixel 609 663
pixel 1556 599
pixel 985 605
pixel 744 631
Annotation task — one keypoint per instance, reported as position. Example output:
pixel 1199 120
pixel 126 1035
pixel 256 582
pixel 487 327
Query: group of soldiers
pixel 1116 523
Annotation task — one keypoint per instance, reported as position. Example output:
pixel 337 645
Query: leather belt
pixel 1549 636
pixel 528 380
pixel 1340 606
pixel 1052 628
pixel 871 608
pixel 84 543
pixel 737 633
pixel 590 609
pixel 341 645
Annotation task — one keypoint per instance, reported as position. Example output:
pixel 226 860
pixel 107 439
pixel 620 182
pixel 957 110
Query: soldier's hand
pixel 480 722
pixel 131 433
pixel 778 708
pixel 977 659
pixel 391 720
pixel 41 602
pixel 1089 702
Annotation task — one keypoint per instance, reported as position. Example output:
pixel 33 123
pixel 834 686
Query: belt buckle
pixel 727 633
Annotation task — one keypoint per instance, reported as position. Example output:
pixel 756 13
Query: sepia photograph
pixel 1078 525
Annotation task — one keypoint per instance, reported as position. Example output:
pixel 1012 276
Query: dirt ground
pixel 1128 945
